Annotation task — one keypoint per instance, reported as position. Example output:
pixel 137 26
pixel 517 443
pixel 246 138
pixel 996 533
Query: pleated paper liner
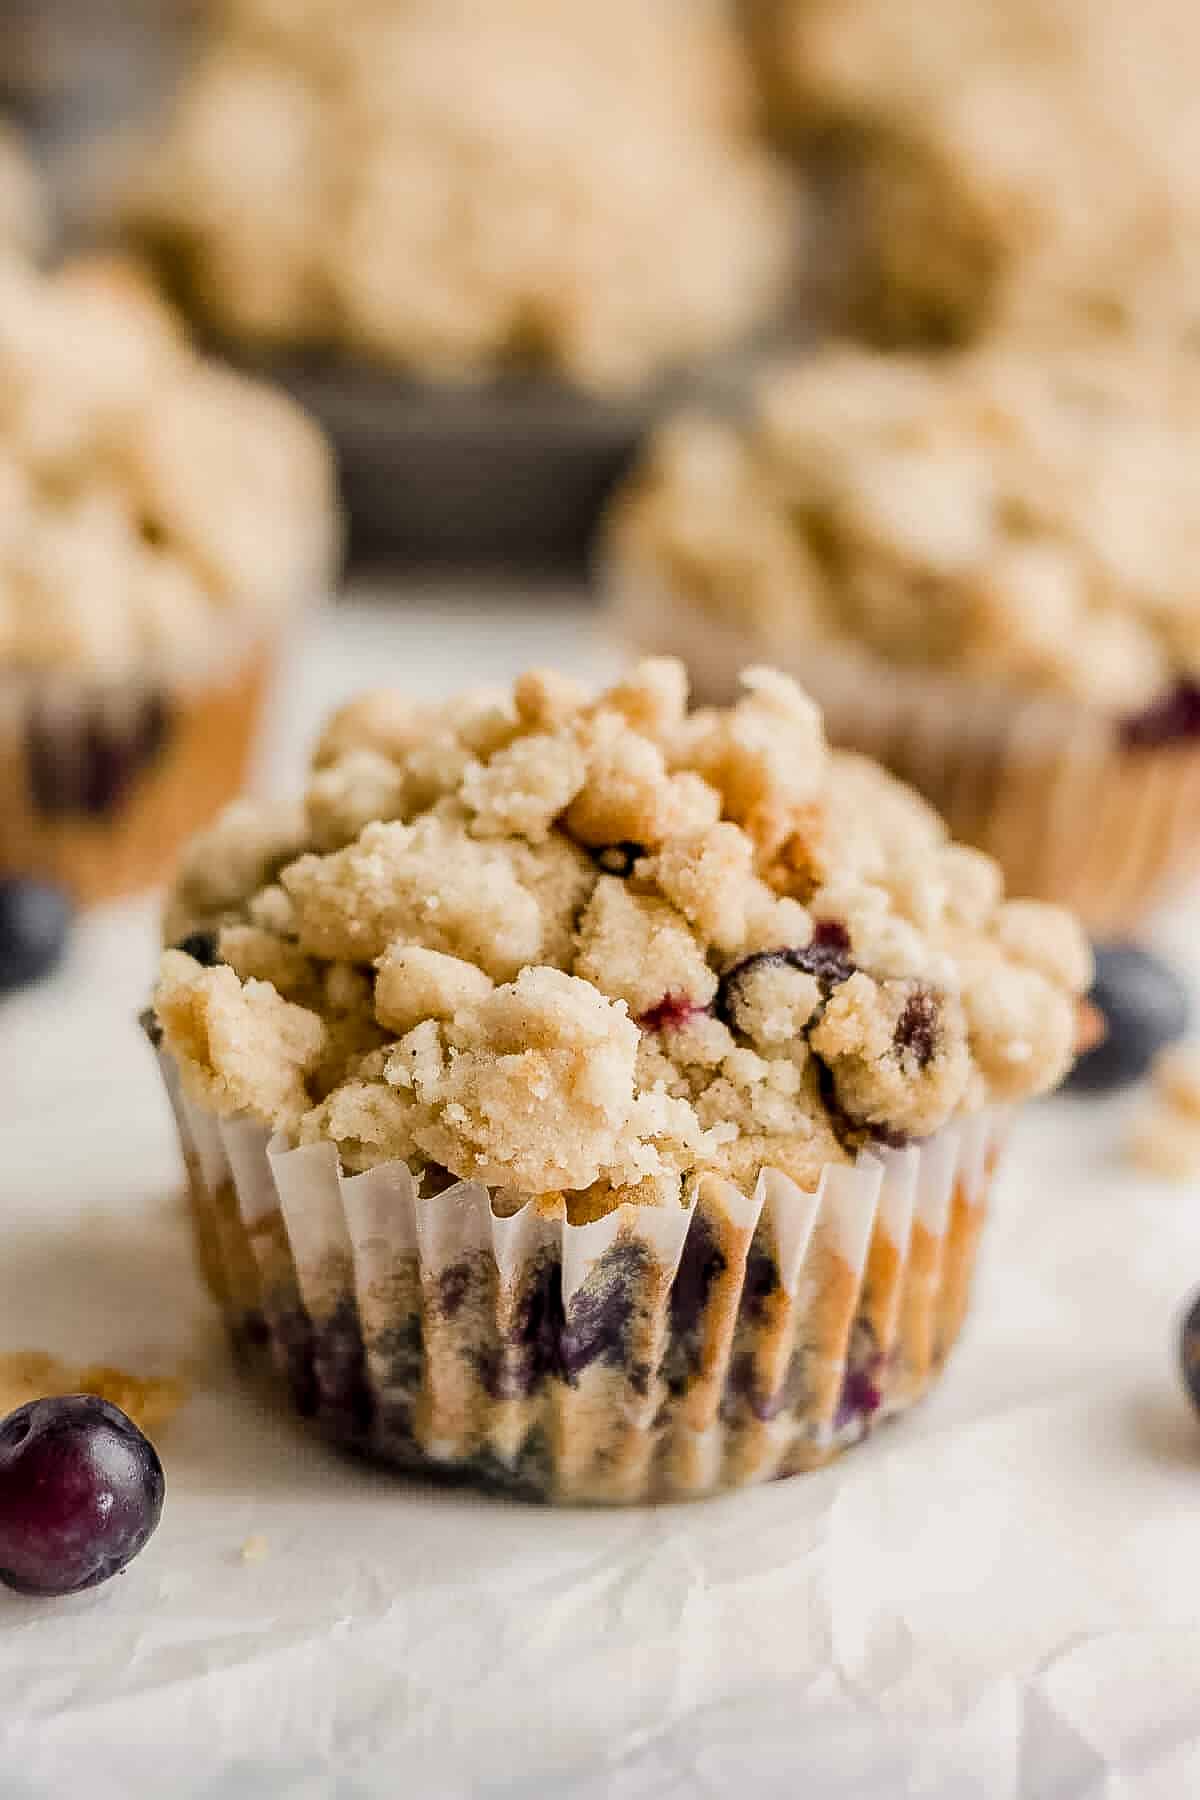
pixel 654 1354
pixel 101 785
pixel 1071 813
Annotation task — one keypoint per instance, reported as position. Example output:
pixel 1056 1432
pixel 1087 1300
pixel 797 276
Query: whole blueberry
pixel 1143 1006
pixel 1189 1351
pixel 34 920
pixel 81 1492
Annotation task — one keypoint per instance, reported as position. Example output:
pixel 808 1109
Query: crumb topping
pixel 457 189
pixel 1030 164
pixel 153 506
pixel 1008 514
pixel 491 986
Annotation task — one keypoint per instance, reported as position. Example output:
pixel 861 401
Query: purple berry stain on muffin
pixel 862 1389
pixel 917 1027
pixel 1172 720
pixel 701 1265
pixel 669 1013
pixel 599 1316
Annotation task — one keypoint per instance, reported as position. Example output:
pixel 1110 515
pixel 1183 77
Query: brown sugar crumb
pixel 151 1402
pixel 616 947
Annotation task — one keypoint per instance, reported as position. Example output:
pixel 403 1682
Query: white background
pixel 999 1596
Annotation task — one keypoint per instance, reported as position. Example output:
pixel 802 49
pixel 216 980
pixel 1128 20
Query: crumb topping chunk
pixel 550 974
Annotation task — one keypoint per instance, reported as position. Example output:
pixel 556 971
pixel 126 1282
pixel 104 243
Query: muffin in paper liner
pixel 1076 809
pixel 653 1354
pixel 103 781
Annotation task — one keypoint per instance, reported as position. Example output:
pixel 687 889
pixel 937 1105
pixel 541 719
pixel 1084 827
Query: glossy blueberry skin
pixel 35 918
pixel 81 1492
pixel 1189 1352
pixel 1145 1008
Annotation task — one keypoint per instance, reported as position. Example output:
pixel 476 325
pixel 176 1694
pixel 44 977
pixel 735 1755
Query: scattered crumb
pixel 256 1548
pixel 1165 1138
pixel 34 1375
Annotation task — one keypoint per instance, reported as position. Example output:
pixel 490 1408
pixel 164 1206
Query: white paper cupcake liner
pixel 656 1353
pixel 1046 786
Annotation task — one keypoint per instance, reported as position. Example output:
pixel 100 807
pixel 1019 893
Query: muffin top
pixel 1017 516
pixel 1021 163
pixel 589 950
pixel 456 189
pixel 154 506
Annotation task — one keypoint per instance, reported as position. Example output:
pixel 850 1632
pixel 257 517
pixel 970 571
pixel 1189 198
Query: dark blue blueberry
pixel 92 770
pixel 35 918
pixel 81 1492
pixel 826 958
pixel 1143 1006
pixel 1189 1351
pixel 1174 719
pixel 201 946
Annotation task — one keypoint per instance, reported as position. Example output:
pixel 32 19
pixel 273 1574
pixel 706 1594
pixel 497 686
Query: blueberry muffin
pixel 1034 164
pixel 456 190
pixel 596 1097
pixel 982 566
pixel 161 522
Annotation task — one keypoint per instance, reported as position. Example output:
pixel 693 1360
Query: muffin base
pixel 1071 814
pixel 101 787
pixel 655 1354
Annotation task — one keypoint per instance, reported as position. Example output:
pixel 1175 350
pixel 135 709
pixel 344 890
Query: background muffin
pixel 635 1078
pixel 1035 163
pixel 160 521
pixel 983 566
pixel 453 189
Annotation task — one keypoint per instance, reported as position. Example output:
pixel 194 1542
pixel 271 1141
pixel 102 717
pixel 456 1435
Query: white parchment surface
pixel 999 1596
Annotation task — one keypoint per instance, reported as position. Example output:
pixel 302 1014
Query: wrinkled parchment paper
pixel 997 1597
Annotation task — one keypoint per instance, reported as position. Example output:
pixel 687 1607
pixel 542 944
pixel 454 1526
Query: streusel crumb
pixel 1009 514
pixel 620 946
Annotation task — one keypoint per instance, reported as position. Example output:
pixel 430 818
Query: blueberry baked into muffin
pixel 1032 165
pixel 458 190
pixel 596 1097
pixel 161 523
pixel 983 568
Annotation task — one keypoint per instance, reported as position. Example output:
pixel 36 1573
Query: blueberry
pixel 34 920
pixel 1172 720
pixel 1189 1351
pixel 81 1492
pixel 201 946
pixel 1143 1006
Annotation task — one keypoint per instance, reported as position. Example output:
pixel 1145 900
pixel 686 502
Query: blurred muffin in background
pixel 161 521
pixel 983 567
pixel 453 190
pixel 23 223
pixel 1035 162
